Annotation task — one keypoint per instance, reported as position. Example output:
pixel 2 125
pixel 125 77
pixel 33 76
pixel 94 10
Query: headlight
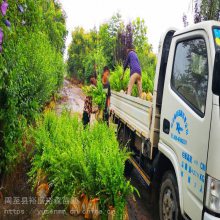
pixel 212 200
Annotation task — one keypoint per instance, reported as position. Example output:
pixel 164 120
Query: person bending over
pixel 135 71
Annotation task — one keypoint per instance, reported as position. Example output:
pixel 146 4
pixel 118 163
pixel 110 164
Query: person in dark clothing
pixel 107 89
pixel 87 111
pixel 95 71
pixel 135 71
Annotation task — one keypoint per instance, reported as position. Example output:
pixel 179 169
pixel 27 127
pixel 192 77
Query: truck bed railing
pixel 135 112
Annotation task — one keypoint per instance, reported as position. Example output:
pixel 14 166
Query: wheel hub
pixel 168 205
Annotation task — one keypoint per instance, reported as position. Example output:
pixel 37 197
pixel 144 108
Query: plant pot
pixel 93 209
pixel 75 206
pixel 84 204
pixel 99 115
pixel 41 177
pixel 111 213
pixel 42 187
pixel 112 216
pixel 126 215
pixel 149 97
pixel 144 96
pixel 42 191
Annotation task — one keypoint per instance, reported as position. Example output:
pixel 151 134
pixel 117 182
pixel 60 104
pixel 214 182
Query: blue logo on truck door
pixel 179 125
pixel 179 129
pixel 193 172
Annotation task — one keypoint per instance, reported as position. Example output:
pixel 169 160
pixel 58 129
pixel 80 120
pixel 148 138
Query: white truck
pixel 175 139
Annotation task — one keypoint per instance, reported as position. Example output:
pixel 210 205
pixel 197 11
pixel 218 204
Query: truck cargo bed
pixel 135 112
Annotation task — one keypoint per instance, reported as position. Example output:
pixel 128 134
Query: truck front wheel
pixel 169 207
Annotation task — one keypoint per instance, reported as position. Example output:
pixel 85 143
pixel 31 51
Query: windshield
pixel 216 72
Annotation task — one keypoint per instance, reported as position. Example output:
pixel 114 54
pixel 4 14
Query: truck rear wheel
pixel 128 168
pixel 169 208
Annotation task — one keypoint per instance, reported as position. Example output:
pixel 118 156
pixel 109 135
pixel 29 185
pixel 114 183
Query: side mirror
pixel 216 75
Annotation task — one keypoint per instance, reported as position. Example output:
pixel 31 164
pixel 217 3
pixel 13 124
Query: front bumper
pixel 209 217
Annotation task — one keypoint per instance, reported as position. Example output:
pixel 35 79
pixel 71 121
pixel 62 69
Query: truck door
pixel 186 116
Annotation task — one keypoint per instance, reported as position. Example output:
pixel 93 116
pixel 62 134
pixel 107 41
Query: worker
pixel 95 71
pixel 107 89
pixel 87 111
pixel 135 71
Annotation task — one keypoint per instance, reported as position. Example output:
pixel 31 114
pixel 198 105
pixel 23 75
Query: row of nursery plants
pixel 81 168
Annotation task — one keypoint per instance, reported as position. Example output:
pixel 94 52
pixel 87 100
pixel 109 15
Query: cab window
pixel 190 73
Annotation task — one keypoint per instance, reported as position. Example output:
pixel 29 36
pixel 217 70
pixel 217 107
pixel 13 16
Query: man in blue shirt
pixel 135 71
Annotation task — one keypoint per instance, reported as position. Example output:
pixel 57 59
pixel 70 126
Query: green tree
pixel 140 35
pixel 108 39
pixel 107 42
pixel 95 59
pixel 144 49
pixel 78 49
pixel 205 10
pixel 210 10
pixel 115 24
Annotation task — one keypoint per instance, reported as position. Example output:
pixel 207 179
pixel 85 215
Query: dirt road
pixel 72 98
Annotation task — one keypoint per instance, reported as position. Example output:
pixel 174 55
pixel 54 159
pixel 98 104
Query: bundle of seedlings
pixel 107 164
pixel 59 153
pixel 116 82
pixel 121 85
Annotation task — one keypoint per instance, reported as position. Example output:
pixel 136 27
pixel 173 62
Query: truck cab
pixel 190 118
pixel 183 124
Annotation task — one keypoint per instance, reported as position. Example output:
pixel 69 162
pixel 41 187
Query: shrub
pixel 31 69
pixel 36 72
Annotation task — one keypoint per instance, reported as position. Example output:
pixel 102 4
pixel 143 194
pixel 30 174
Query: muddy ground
pixel 17 200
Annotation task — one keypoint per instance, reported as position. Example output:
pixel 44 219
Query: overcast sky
pixel 158 14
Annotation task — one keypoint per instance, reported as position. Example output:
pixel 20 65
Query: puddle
pixel 72 98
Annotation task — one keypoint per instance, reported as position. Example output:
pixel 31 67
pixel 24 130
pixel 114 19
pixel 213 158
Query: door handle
pixel 166 126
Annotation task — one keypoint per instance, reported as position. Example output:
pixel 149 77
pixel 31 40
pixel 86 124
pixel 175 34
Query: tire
pixel 169 207
pixel 128 169
pixel 120 134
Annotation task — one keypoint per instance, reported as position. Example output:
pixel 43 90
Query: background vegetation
pixel 90 51
pixel 31 68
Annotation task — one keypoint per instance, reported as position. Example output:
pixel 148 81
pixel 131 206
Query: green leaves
pixel 207 10
pixel 115 79
pixel 81 161
pixel 96 57
pixel 31 69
